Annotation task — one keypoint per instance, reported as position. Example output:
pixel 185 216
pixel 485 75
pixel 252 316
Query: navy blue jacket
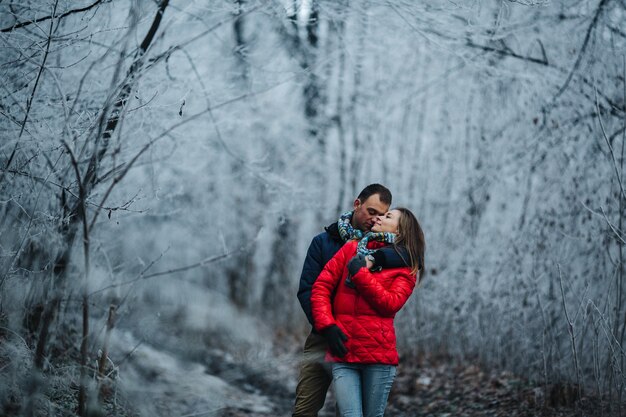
pixel 322 248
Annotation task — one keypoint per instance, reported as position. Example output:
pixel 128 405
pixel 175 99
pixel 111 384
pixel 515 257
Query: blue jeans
pixel 362 390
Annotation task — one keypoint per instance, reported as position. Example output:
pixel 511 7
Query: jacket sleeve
pixel 324 287
pixel 310 270
pixel 387 301
pixel 390 257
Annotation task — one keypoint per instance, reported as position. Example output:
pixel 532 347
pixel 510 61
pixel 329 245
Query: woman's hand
pixel 357 262
pixel 335 338
pixel 354 265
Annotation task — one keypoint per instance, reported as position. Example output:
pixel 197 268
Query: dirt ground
pixel 436 388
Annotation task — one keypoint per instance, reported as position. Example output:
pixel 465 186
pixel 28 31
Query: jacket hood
pixel 333 231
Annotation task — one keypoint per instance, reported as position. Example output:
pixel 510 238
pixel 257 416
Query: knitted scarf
pixel 373 236
pixel 347 232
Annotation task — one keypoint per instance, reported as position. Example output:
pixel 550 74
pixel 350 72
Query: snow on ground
pixel 158 384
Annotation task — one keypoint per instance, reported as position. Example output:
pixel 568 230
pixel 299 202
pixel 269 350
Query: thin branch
pixel 30 223
pixel 623 330
pixel 42 19
pixel 117 179
pixel 82 391
pixel 120 102
pixel 29 103
pixel 81 187
pixel 613 228
pixel 618 232
pixel 570 330
pixel 614 107
pixel 6 329
pixel 543 51
pixel 608 143
pixel 610 337
pixel 509 53
pixel 130 164
pixel 130 353
pixel 122 207
pixel 583 48
pixel 141 276
pixel 167 53
pixel 421 33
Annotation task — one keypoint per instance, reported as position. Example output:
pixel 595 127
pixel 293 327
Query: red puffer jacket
pixel 365 314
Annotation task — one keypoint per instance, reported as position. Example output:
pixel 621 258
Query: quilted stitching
pixel 371 335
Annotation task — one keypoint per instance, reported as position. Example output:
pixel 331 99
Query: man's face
pixel 365 212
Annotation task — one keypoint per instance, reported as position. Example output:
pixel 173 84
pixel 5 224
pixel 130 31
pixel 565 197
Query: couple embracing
pixel 357 275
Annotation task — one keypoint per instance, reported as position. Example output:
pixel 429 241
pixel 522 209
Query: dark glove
pixel 335 338
pixel 357 262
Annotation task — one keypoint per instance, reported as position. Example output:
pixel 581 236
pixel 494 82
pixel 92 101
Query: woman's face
pixel 388 222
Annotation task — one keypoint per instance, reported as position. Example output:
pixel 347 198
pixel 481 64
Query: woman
pixel 356 316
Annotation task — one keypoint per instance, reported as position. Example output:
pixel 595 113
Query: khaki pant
pixel 314 378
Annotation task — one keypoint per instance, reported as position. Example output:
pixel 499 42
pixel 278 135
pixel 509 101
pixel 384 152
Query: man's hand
pixel 335 338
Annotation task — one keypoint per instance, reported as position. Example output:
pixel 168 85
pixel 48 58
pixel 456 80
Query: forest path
pixel 437 388
pixel 160 382
pixel 422 388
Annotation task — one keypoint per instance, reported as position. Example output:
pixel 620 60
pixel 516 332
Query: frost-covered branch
pixel 29 102
pixel 583 48
pixel 25 23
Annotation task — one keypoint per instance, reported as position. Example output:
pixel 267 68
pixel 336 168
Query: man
pixel 314 378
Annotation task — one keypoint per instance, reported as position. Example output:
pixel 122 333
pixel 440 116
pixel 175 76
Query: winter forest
pixel 164 166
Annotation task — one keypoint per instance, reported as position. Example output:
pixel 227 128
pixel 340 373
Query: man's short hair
pixel 382 191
